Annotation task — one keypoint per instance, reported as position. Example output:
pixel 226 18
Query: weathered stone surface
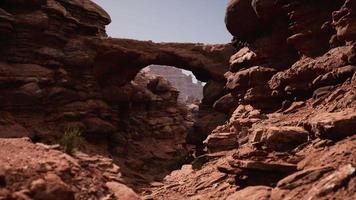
pixel 190 90
pixel 335 125
pixel 253 193
pixel 266 9
pixel 240 18
pixel 245 57
pixel 24 73
pixel 252 77
pixel 310 36
pixel 121 191
pixel 37 171
pixel 55 55
pixel 250 86
pixel 294 107
pixel 206 121
pixel 9 128
pixel 159 85
pixel 225 104
pixel 121 54
pixel 221 141
pixel 243 117
pixel 7 29
pixel 303 177
pixel 335 181
pixel 58 68
pixel 212 91
pixel 281 138
pixel 344 21
pixel 263 166
pixel 308 48
pixel 296 80
pixel 334 77
pixel 51 187
pixel 98 126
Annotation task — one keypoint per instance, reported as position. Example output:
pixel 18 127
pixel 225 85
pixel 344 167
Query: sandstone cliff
pixel 277 121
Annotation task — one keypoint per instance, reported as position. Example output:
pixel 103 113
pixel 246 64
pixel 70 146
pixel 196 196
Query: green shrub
pixel 71 140
pixel 198 162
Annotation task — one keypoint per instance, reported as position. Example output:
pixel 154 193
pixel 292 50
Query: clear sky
pixel 168 20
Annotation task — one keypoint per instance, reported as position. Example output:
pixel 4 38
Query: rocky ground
pixel 306 151
pixel 39 171
pixel 277 121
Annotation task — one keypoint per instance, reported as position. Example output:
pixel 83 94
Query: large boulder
pixel 221 141
pixel 225 104
pixel 344 21
pixel 245 79
pixel 241 20
pixel 266 9
pixel 212 91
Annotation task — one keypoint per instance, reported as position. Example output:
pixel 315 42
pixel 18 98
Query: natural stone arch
pixel 119 60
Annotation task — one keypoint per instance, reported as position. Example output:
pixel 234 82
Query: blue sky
pixel 168 20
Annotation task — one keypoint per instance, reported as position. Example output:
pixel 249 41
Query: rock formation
pixel 58 70
pixel 277 119
pixel 190 90
pixel 30 172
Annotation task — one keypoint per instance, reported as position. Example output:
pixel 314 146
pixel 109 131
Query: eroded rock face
pixel 58 70
pixel 122 191
pixel 300 41
pixel 281 138
pixel 130 56
pixel 51 187
pixel 241 20
pixel 293 84
pixel 285 97
pixel 344 21
pixel 310 36
pixel 39 171
pixel 334 125
pixel 253 193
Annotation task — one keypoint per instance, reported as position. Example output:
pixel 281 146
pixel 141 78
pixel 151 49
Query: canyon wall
pixel 291 98
pixel 59 70
pixel 58 67
pixel 277 119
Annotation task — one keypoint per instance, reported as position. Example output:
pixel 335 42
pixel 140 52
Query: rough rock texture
pixel 58 69
pixel 190 91
pixel 300 40
pixel 291 132
pixel 39 171
pixel 287 98
pixel 151 142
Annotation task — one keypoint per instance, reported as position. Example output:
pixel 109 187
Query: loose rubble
pixel 277 119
